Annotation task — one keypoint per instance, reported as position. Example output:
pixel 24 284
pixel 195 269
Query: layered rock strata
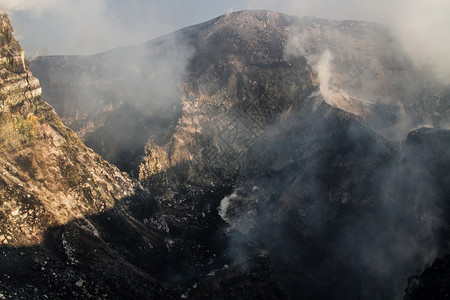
pixel 47 175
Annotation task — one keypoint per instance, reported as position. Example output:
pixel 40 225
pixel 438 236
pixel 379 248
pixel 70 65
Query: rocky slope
pixel 358 66
pixel 48 176
pixel 51 187
pixel 267 177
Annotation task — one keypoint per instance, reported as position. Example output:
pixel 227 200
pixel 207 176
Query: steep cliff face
pixel 67 217
pixel 47 175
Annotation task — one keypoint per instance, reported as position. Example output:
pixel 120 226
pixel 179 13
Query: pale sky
pixel 91 26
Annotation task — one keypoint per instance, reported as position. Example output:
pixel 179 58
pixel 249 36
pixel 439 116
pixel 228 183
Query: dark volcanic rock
pixel 432 148
pixel 433 283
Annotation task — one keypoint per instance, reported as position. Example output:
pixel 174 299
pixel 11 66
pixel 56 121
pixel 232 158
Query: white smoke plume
pixel 324 75
pixel 224 205
pixel 298 45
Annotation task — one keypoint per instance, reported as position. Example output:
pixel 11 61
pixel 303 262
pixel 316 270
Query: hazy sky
pixel 90 26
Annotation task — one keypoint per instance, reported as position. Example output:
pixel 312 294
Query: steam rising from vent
pixel 362 68
pixel 332 95
pixel 299 44
pixel 224 205
pixel 324 75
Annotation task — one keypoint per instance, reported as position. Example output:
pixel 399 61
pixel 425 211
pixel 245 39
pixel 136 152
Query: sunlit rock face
pixel 67 217
pixel 47 175
pixel 267 141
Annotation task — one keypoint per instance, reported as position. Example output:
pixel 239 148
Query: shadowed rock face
pixel 432 147
pixel 433 283
pixel 256 137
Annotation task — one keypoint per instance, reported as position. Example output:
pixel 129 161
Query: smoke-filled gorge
pixel 256 155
